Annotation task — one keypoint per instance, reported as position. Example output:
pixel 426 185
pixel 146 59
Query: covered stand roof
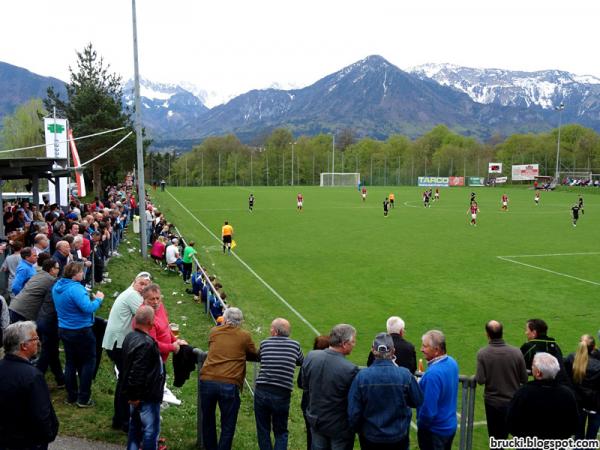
pixel 19 168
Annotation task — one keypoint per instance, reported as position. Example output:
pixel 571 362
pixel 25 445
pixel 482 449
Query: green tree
pixel 94 104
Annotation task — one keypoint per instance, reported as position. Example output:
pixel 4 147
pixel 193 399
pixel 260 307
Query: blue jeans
pixel 80 359
pixel 227 396
pixel 322 442
pixel 144 426
pixel 271 408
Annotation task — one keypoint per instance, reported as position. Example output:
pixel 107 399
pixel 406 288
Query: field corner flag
pixel 233 244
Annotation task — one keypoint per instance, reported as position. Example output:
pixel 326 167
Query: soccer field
pixel 340 260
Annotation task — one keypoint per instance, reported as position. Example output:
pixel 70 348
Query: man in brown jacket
pixel 222 378
pixel 501 367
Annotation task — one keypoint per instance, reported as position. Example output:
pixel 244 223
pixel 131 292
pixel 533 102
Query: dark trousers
pixel 120 418
pixel 80 361
pixel 271 409
pixel 48 333
pixel 365 444
pixel 15 316
pixel 496 420
pixel 187 271
pixel 227 396
pixel 431 441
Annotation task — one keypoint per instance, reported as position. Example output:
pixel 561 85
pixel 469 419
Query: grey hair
pixel 281 326
pixel 340 334
pixel 546 364
pixel 394 325
pixel 78 238
pixel 233 316
pixel 17 334
pixel 144 315
pixel 436 339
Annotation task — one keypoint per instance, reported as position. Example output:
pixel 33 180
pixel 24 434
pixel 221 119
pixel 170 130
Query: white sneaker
pixel 169 397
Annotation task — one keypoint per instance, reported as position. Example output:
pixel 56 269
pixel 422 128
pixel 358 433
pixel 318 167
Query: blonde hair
pixel 580 362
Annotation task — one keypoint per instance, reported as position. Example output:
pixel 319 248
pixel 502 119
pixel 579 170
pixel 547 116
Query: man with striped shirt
pixel 279 356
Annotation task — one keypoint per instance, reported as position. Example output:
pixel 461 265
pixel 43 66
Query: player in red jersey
pixel 437 194
pixel 473 210
pixel 504 202
pixel 299 201
pixel 364 193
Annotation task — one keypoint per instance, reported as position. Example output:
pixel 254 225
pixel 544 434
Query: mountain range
pixel 372 97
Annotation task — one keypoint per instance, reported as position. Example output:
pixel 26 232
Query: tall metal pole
pixel 559 108
pixel 139 141
pixel 333 154
pixel 251 177
pixel 293 163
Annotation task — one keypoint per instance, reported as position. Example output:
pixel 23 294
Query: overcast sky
pixel 231 46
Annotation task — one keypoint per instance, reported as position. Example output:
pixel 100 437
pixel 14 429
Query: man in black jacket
pixel 538 340
pixel 27 418
pixel 404 351
pixel 143 382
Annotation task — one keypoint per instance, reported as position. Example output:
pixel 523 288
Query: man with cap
pixel 383 425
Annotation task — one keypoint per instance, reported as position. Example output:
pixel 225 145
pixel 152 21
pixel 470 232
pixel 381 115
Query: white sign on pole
pixel 55 131
pixel 525 172
pixel 495 167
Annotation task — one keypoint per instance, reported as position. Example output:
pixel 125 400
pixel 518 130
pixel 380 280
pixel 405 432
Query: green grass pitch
pixel 340 260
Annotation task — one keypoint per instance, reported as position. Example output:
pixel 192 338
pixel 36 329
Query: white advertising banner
pixel 525 172
pixel 56 147
pixel 495 167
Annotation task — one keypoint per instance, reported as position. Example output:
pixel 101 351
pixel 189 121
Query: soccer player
pixel 391 197
pixel 581 204
pixel 426 199
pixel 251 202
pixel 299 201
pixel 227 235
pixel 364 194
pixel 472 198
pixel 504 202
pixel 537 198
pixel 473 210
pixel 575 213
pixel 385 207
pixel 437 194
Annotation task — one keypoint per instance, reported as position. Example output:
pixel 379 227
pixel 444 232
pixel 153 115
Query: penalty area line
pixel 257 276
pixel 504 258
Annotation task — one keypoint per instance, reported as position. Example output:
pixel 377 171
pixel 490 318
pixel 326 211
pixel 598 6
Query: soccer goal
pixel 339 179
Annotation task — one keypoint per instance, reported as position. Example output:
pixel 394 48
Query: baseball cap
pixel 383 343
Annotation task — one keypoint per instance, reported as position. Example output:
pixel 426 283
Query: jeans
pixel 48 333
pixel 322 442
pixel 365 444
pixel 271 408
pixel 144 426
pixel 431 441
pixel 80 359
pixel 227 396
pixel 120 418
pixel 593 425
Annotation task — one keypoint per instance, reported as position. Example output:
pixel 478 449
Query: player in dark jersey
pixel 426 199
pixel 472 198
pixel 386 204
pixel 580 202
pixel 251 202
pixel 575 213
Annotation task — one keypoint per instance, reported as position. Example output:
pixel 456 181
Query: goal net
pixel 339 179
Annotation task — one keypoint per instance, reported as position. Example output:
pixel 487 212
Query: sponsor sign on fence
pixel 476 181
pixel 434 181
pixel 494 167
pixel 456 181
pixel 501 180
pixel 525 172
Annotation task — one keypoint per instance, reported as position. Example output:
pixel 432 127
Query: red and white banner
pixel 524 172
pixel 495 167
pixel 81 192
pixel 456 181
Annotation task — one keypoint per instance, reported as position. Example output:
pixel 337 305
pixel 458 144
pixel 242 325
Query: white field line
pixel 258 277
pixel 505 258
pixel 549 254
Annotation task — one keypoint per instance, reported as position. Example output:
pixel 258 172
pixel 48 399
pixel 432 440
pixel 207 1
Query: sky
pixel 230 47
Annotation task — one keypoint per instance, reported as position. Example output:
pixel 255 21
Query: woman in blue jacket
pixel 75 313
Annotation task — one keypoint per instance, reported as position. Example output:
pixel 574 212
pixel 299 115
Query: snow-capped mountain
pixel 165 107
pixel 545 88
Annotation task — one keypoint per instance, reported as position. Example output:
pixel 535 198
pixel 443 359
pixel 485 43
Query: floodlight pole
pixel 333 154
pixel 139 140
pixel 293 143
pixel 558 108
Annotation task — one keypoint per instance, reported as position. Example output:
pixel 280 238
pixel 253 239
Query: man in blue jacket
pixel 25 270
pixel 383 425
pixel 436 418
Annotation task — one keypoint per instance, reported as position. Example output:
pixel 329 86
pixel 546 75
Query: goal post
pixel 339 179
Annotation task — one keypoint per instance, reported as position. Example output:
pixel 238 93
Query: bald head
pixel 280 327
pixel 494 329
pixel 63 247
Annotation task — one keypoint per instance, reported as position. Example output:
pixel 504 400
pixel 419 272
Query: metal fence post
pixel 464 408
pixel 473 387
pixel 199 441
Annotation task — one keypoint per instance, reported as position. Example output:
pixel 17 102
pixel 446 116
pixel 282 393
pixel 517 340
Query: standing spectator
pixel 279 356
pixel 118 326
pixel 327 376
pixel 27 304
pixel 501 368
pixel 436 418
pixel 222 378
pixel 383 425
pixel 75 313
pixel 27 418
pixel 149 225
pixel 11 263
pixel 536 331
pixel 584 372
pixel 41 244
pixel 143 382
pixel 404 352
pixel 25 270
pixel 543 407
pixel 62 255
pixel 188 255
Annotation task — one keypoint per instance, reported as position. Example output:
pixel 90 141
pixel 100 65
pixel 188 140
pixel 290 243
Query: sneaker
pixel 90 403
pixel 69 402
pixel 169 397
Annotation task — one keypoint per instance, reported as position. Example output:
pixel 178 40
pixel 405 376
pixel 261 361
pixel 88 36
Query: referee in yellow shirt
pixel 227 235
